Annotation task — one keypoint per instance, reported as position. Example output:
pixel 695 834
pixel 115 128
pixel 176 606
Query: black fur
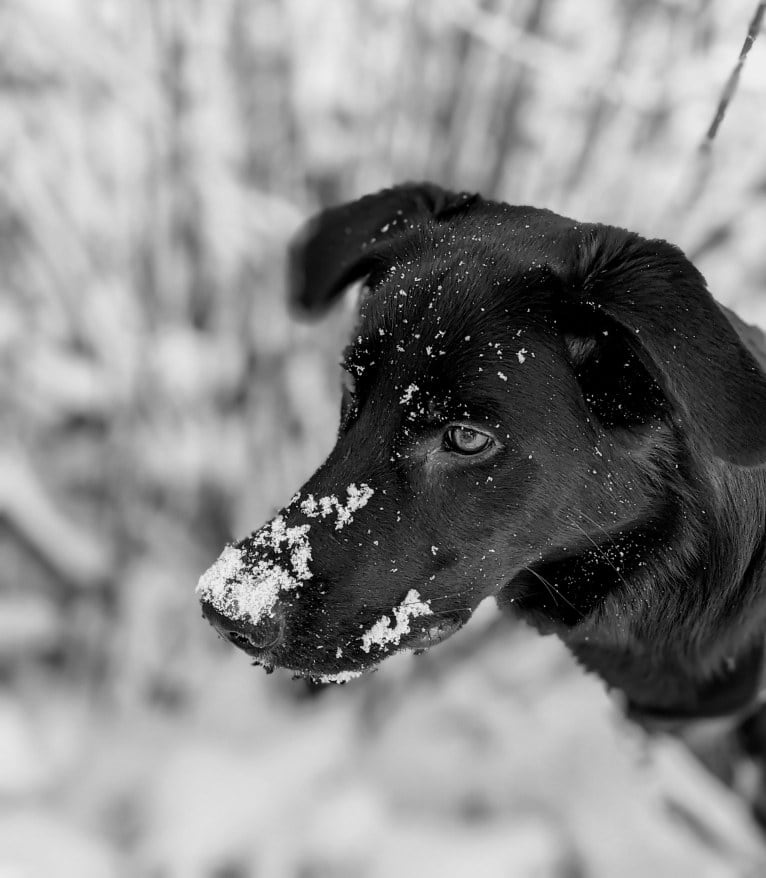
pixel 624 504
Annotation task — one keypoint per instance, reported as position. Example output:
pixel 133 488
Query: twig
pixel 733 81
pixel 699 171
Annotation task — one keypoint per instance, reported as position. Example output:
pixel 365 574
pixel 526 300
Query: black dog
pixel 552 412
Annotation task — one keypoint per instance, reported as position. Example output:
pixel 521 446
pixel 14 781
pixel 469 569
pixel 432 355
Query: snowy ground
pixel 490 756
pixel 156 401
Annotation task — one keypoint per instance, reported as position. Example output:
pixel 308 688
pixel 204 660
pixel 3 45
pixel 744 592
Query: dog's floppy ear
pixel 341 244
pixel 681 335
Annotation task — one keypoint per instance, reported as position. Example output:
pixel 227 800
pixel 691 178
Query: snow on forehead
pixel 423 323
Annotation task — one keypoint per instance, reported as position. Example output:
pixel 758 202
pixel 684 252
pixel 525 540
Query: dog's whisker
pixel 553 591
pixel 436 613
pixel 599 548
pixel 597 525
pixel 445 597
pixel 448 612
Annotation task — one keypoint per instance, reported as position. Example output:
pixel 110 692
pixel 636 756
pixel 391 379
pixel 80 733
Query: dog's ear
pixel 341 244
pixel 679 333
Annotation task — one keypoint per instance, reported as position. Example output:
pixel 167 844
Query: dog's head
pixel 520 392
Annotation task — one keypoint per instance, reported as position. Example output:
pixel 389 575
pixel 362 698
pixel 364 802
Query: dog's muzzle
pixel 242 593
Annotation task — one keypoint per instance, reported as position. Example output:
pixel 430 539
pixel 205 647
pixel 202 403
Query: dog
pixel 555 413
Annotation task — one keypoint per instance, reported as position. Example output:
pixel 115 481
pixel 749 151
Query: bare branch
pixel 731 85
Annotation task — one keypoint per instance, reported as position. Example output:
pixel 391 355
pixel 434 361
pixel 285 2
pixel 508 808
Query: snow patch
pixel 340 677
pixel 241 591
pixel 522 354
pixel 356 499
pixel 384 632
pixel 408 394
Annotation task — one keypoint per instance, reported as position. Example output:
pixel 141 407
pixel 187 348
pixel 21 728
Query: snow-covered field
pixel 157 401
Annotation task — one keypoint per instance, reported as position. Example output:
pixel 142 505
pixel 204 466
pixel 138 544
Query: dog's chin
pixel 417 642
pixel 316 671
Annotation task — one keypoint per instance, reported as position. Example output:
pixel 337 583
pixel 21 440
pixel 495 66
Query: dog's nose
pixel 248 636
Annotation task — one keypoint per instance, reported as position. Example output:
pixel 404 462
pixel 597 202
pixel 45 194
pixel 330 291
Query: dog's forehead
pixel 457 271
pixel 448 330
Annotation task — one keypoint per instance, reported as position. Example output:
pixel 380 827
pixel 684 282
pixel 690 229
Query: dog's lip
pixel 431 635
pixel 274 656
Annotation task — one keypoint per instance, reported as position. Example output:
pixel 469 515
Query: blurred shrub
pixel 155 156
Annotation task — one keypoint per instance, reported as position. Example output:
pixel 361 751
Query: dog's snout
pixel 249 636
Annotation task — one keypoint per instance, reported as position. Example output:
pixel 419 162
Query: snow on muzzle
pixel 241 594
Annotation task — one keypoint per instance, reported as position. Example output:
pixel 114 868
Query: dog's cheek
pixel 469 530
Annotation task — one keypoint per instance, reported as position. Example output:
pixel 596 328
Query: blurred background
pixel 157 400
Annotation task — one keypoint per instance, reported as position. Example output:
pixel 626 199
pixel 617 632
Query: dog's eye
pixel 464 440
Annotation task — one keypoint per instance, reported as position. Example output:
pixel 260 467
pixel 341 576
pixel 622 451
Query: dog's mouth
pixel 417 642
pixel 436 632
pixel 270 644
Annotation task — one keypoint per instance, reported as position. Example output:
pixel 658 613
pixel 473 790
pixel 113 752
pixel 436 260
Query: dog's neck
pixel 671 610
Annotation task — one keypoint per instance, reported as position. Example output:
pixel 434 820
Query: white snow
pixel 300 557
pixel 408 393
pixel 239 592
pixel 356 498
pixel 522 354
pixel 242 590
pixel 308 506
pixel 502 376
pixel 384 632
pixel 340 677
